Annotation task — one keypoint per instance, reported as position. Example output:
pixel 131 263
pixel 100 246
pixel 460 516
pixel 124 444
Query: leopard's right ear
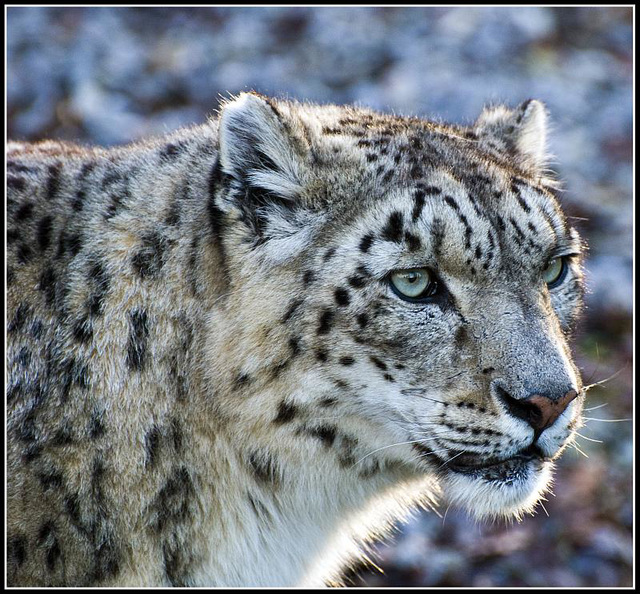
pixel 257 152
pixel 262 164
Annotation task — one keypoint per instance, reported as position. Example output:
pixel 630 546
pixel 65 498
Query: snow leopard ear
pixel 262 164
pixel 257 152
pixel 522 131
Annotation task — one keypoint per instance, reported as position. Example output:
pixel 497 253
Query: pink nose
pixel 538 410
pixel 543 411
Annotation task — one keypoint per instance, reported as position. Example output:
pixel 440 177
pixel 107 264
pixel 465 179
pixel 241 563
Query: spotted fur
pixel 210 379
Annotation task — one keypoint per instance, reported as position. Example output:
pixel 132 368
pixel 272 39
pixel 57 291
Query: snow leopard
pixel 240 353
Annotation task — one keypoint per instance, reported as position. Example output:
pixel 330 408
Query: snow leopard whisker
pixel 574 445
pixel 596 407
pixel 391 446
pixel 606 420
pixel 588 387
pixel 449 460
pixel 588 438
pixel 543 508
pixel 419 393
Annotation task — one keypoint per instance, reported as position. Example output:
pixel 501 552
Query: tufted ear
pixel 264 166
pixel 255 146
pixel 521 131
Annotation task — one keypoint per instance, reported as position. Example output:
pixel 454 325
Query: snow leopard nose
pixel 539 410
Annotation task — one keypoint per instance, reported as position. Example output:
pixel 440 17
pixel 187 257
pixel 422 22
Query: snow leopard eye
pixel 413 283
pixel 554 273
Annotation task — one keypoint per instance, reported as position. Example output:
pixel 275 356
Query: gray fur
pixel 210 379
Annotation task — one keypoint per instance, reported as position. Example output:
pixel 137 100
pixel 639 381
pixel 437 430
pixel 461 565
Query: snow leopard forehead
pixel 466 193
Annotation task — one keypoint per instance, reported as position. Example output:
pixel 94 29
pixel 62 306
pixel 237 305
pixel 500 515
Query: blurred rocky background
pixel 111 75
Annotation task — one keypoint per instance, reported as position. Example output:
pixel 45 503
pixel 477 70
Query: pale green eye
pixel 553 272
pixel 413 283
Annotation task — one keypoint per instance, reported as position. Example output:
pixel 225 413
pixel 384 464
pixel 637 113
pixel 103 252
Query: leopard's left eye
pixel 554 273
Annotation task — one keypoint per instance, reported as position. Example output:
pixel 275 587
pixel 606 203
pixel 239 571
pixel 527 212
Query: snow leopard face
pixel 422 282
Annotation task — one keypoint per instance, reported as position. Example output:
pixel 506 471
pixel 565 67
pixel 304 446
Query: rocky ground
pixel 110 75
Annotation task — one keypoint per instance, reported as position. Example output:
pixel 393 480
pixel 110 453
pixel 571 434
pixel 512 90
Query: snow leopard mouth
pixel 496 469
